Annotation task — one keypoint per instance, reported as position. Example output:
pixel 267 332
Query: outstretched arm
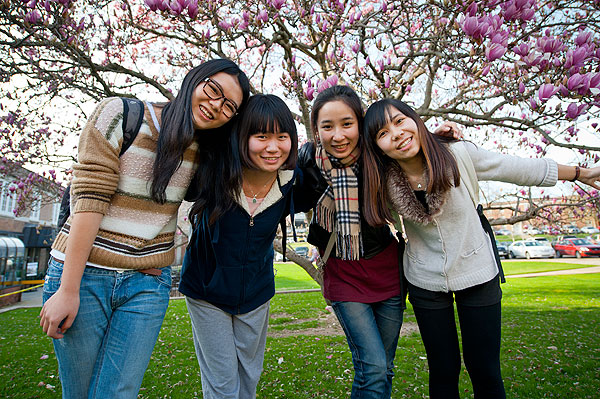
pixel 589 176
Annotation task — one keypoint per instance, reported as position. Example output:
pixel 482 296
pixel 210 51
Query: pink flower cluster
pixel 319 86
pixel 175 7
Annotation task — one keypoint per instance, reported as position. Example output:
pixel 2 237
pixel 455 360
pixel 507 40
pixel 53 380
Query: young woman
pixel 227 274
pixel 108 281
pixel 362 273
pixel 448 257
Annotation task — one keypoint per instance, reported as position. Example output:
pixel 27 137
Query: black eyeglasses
pixel 214 91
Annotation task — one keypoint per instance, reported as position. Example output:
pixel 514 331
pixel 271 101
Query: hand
pixel 590 177
pixel 61 307
pixel 449 129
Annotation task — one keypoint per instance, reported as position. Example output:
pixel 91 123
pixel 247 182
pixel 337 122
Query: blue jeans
pixel 372 331
pixel 107 349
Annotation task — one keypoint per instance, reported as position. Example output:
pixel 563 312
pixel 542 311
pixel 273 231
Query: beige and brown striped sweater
pixel 136 232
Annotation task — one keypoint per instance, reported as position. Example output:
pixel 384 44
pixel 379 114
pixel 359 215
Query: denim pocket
pixel 165 277
pixel 52 279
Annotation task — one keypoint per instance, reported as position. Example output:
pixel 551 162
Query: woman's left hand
pixel 590 176
pixel 449 129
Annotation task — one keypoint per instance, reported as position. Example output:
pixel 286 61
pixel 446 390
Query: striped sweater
pixel 136 232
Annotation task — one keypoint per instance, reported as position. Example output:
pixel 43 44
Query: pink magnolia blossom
pixel 550 44
pixel 521 88
pixel 573 110
pixel 563 90
pixel 546 91
pixel 224 25
pixel 193 9
pixel 309 93
pixel 494 51
pixel 576 58
pixel 263 16
pixel 33 17
pixel 277 3
pixel 177 6
pixel 584 37
pixel 522 49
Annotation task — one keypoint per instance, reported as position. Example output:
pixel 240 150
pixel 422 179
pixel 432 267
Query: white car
pixel 541 240
pixel 590 230
pixel 530 249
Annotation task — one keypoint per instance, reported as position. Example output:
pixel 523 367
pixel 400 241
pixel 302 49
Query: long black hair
pixel 440 164
pixel 264 113
pixel 177 131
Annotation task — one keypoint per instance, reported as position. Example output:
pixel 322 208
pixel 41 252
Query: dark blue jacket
pixel 230 263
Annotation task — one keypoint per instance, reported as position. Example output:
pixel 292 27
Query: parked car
pixel 502 249
pixel 533 231
pixel 542 240
pixel 529 249
pixel 572 229
pixel 577 247
pixel 503 232
pixel 590 230
pixel 302 251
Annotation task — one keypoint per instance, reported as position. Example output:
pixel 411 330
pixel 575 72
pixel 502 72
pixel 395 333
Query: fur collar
pixel 403 200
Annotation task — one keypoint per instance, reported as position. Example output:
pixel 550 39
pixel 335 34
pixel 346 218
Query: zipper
pixel 251 220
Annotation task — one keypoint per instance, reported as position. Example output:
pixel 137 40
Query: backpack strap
pixel 468 176
pixel 153 115
pixel 133 115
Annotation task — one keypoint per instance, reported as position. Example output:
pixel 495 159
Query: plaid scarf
pixel 339 202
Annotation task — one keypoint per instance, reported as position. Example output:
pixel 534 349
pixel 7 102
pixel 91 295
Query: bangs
pixel 269 117
pixel 378 115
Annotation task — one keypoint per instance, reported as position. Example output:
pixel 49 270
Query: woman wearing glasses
pixel 108 280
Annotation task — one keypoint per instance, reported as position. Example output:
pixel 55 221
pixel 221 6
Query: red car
pixel 576 246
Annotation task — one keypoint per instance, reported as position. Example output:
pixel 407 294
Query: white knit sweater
pixel 451 251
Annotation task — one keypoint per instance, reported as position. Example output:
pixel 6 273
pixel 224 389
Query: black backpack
pixel 133 115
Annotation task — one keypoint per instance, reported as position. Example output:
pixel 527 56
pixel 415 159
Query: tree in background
pixel 522 74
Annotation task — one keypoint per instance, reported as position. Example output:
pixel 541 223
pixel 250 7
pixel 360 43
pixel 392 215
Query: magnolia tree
pixel 520 74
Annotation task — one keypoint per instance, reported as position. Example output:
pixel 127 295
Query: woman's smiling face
pixel 399 138
pixel 337 126
pixel 210 113
pixel 269 151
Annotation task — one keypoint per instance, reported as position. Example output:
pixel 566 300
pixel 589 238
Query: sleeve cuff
pixel 92 203
pixel 551 174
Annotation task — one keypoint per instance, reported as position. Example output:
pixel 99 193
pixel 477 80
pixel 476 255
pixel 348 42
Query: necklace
pixel 254 195
pixel 419 185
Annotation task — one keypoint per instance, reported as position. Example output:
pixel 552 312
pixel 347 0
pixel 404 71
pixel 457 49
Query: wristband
pixel 577 171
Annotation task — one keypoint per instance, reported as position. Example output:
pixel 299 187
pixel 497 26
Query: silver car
pixel 530 249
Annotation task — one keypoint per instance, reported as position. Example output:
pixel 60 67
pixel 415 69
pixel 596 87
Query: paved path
pixel 33 299
pixel 583 270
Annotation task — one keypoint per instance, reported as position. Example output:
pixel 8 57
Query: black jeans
pixel 480 328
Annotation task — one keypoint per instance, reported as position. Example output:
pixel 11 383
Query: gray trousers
pixel 230 349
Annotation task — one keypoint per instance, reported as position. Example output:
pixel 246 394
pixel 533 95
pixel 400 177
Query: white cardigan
pixel 451 251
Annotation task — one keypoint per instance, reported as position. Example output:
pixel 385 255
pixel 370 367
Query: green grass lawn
pixel 290 276
pixel 549 349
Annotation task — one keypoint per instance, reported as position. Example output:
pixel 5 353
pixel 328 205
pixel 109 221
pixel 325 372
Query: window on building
pixel 55 212
pixel 7 200
pixel 36 206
